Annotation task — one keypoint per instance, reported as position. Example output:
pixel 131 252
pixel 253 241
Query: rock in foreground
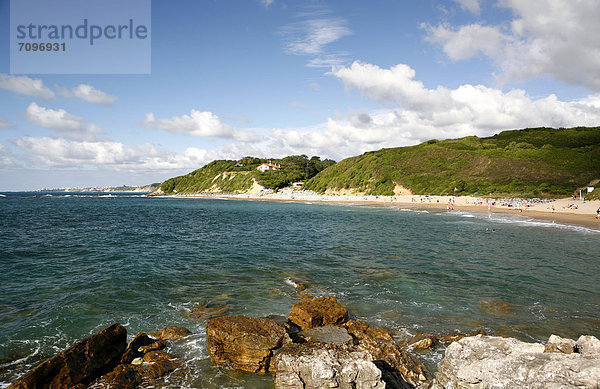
pixel 487 361
pixel 81 363
pixel 309 366
pixel 242 342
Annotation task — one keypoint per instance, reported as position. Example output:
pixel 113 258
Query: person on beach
pixel 598 213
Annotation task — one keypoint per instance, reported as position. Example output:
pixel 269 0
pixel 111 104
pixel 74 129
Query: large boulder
pixel 318 312
pixel 313 366
pixel 81 363
pixel 242 342
pixel 486 362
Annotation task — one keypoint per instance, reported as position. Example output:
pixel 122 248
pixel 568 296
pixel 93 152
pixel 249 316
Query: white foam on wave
pixel 412 210
pixel 521 220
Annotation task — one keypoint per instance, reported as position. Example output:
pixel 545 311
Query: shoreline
pixel 583 215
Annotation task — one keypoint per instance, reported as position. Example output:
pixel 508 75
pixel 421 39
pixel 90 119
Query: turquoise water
pixel 72 264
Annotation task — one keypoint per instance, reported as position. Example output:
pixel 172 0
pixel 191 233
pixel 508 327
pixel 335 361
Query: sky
pixel 271 78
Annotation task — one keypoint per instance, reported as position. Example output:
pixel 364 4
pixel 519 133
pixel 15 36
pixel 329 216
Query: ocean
pixel 73 263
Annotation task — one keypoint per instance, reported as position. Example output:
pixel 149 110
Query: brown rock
pixel 423 341
pixel 556 344
pixel 157 356
pixel 122 377
pixel 158 364
pixel 81 363
pixel 132 352
pixel 362 331
pixel 171 333
pixel 496 307
pixel 155 346
pixel 242 342
pixel 387 355
pixel 154 364
pixel 318 312
pixel 203 312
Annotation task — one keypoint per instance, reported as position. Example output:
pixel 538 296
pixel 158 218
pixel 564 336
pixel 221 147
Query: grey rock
pixel 588 345
pixel 327 335
pixel 311 366
pixel 494 362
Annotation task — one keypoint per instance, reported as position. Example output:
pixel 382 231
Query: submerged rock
pixel 318 312
pixel 242 342
pixel 81 363
pixel 171 333
pixel 310 366
pixel 496 307
pixel 486 362
pixel 204 312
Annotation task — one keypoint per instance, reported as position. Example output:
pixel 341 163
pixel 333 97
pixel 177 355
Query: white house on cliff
pixel 268 166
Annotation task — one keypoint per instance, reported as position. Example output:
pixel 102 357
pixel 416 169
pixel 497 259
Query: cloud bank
pixel 546 38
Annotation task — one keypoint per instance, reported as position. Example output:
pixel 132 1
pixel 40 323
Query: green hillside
pixel 531 162
pixel 239 176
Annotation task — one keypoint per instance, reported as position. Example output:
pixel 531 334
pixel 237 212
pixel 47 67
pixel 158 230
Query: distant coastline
pixel 566 211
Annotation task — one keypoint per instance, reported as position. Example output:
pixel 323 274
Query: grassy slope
pixel 534 162
pixel 225 176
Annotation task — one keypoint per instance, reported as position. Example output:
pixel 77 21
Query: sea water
pixel 74 263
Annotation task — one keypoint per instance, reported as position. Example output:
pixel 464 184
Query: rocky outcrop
pixel 400 368
pixel 311 366
pixel 81 363
pixel 170 333
pixel 487 361
pixel 142 370
pixel 242 342
pixel 321 311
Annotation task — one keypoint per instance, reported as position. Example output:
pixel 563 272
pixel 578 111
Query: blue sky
pixel 274 78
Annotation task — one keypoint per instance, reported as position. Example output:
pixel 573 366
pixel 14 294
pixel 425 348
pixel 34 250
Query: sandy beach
pixel 565 211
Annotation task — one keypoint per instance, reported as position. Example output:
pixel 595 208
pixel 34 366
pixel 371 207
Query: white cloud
pixel 88 93
pixel 6 156
pixel 56 152
pixel 202 124
pixel 5 123
pixel 25 86
pixel 267 3
pixel 311 37
pixel 415 114
pixel 470 5
pixel 64 123
pixel 546 38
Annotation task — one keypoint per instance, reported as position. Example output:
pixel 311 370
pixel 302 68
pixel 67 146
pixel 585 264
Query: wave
pixel 521 220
